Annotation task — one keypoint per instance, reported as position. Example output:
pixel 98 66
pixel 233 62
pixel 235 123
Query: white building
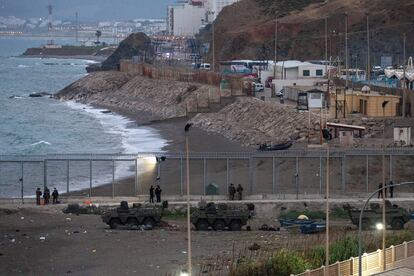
pixel 185 19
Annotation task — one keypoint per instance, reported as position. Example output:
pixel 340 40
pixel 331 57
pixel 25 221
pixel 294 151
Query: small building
pixel 402 134
pixel 372 104
pixel 315 98
pixel 346 138
pixel 338 128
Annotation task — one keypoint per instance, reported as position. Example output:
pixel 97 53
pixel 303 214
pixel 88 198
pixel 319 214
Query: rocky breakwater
pixel 117 91
pixel 251 121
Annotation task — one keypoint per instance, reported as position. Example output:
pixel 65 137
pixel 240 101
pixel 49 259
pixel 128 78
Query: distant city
pixel 11 25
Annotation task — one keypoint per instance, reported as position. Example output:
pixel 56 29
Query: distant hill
pixel 246 29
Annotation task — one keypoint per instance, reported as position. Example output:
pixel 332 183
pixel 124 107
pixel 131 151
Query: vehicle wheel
pixel 235 225
pixel 114 223
pixel 149 222
pixel 132 222
pixel 397 224
pixel 202 225
pixel 219 225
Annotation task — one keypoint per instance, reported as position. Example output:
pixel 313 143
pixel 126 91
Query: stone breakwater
pixel 160 99
pixel 251 121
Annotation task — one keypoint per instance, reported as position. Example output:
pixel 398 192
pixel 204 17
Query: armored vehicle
pixel 221 216
pixel 394 216
pixel 148 215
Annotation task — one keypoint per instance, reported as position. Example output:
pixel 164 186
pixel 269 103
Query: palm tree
pixel 98 34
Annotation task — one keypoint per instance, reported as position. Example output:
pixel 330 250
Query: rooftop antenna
pixel 49 25
pixel 77 28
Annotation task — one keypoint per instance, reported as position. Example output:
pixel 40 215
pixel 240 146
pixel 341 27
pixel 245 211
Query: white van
pixel 258 87
pixel 205 66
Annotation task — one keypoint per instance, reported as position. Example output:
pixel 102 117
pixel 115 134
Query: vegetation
pixel 336 213
pixel 284 7
pixel 282 263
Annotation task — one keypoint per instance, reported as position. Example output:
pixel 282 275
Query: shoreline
pixel 81 57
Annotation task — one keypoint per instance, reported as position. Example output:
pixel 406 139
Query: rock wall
pixel 251 121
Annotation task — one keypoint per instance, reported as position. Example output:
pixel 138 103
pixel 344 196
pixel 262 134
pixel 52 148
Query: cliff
pixel 246 29
pixel 137 44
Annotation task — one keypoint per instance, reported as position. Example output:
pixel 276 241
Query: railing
pixel 371 262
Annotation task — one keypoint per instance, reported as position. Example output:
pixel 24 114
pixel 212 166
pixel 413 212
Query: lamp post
pixel 213 42
pixel 186 129
pixel 360 221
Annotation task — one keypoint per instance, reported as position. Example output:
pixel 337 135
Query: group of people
pixel 46 196
pixel 233 191
pixel 383 192
pixel 157 192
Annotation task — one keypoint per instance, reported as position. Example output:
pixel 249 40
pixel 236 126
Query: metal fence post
pixel 297 178
pixel 391 172
pixel 251 174
pixel 204 176
pixel 320 175
pixel 44 173
pixel 343 173
pixel 136 177
pixel 273 176
pixel 181 177
pixel 90 178
pixel 227 174
pixel 67 176
pixel 113 178
pixel 367 173
pixel 22 182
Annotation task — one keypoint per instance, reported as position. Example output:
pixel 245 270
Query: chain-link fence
pixel 280 174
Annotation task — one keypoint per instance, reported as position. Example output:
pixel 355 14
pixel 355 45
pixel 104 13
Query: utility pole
pixel 76 28
pixel 214 50
pixel 326 46
pixel 346 52
pixel 327 210
pixel 275 60
pixel 368 55
pixel 404 82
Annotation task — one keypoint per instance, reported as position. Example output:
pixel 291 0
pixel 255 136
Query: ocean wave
pixel 22 66
pixel 40 143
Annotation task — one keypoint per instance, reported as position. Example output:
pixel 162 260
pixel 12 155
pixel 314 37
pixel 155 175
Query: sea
pixel 39 126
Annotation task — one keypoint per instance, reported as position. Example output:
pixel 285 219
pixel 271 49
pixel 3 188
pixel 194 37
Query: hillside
pixel 246 29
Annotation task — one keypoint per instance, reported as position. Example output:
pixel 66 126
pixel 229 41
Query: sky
pixel 89 10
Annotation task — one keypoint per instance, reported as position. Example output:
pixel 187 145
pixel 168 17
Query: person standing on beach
pixel 38 195
pixel 232 191
pixel 151 192
pixel 55 196
pixel 239 192
pixel 158 193
pixel 46 195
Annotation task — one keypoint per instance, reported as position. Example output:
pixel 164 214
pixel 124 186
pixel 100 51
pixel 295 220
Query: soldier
pixel 151 193
pixel 239 191
pixel 232 191
pixel 380 193
pixel 46 195
pixel 158 193
pixel 391 189
pixel 38 195
pixel 55 196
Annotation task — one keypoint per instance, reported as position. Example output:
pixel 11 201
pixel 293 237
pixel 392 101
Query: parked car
pixel 280 93
pixel 205 66
pixel 258 87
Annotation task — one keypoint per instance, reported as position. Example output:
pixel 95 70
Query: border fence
pixel 280 174
pixel 371 262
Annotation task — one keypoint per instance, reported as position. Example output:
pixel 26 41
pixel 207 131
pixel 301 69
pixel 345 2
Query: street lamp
pixel 213 42
pixel 383 226
pixel 186 129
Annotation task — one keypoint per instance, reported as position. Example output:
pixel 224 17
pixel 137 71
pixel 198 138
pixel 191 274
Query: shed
pixel 315 98
pixel 402 134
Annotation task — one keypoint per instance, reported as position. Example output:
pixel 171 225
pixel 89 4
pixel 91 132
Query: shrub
pixel 398 238
pixel 282 263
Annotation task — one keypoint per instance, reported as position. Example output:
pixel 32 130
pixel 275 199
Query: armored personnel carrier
pixel 221 216
pixel 395 216
pixel 148 215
